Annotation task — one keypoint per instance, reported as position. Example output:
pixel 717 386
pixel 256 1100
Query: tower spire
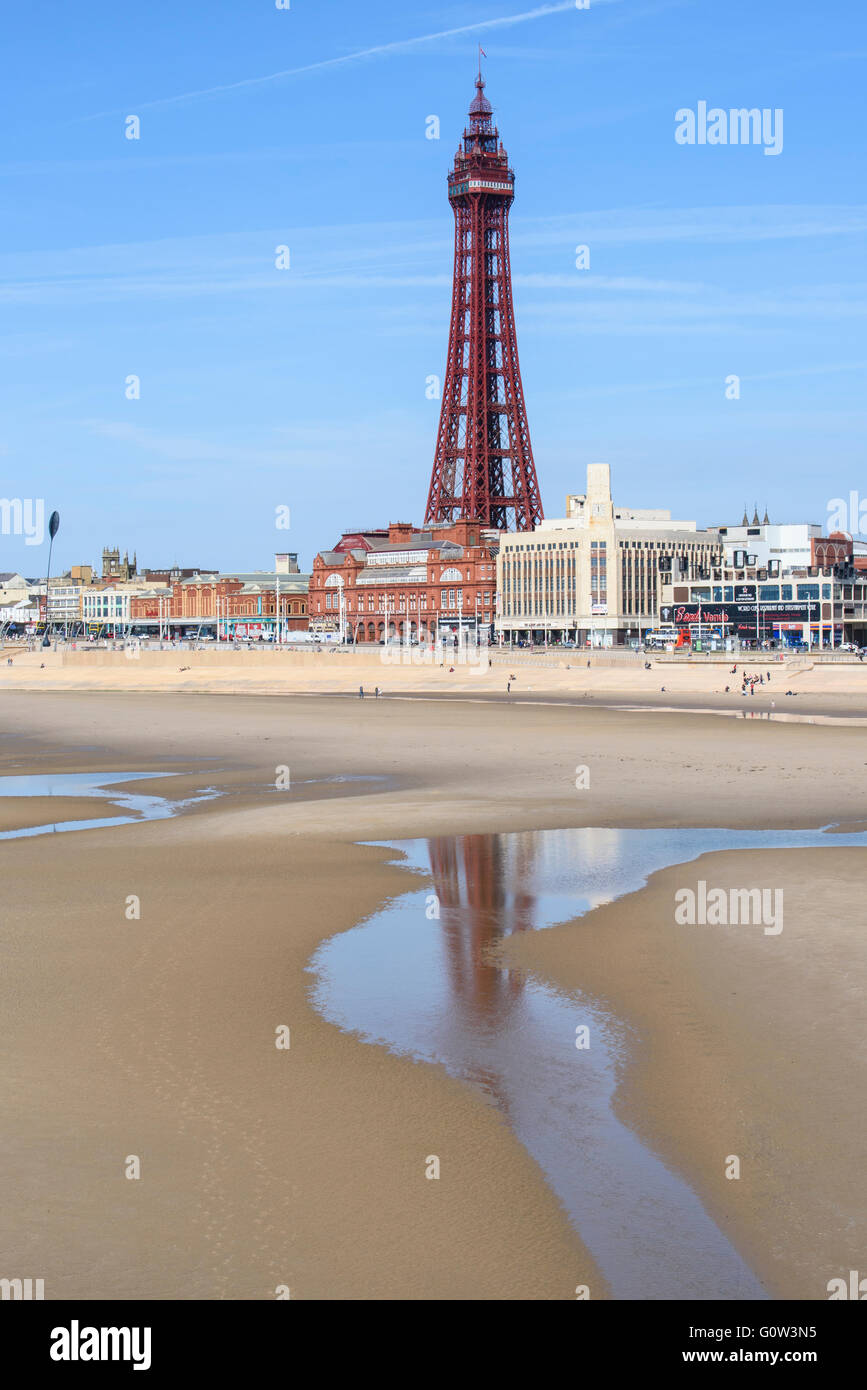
pixel 483 463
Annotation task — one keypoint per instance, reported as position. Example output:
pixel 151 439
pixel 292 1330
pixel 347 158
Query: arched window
pixel 451 575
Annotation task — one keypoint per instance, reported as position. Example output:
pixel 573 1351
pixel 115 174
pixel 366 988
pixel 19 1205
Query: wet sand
pixel 745 1044
pixel 306 1167
pixel 18 812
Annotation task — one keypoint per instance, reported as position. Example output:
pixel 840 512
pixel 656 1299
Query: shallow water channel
pixel 427 986
pixel 101 786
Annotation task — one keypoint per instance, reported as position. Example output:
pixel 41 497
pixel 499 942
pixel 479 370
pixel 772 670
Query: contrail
pixel 400 46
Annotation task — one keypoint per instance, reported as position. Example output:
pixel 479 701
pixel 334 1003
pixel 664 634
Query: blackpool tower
pixel 483 467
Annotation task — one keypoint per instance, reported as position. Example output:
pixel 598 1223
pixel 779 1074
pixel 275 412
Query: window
pixel 826 591
pixel 786 591
pixel 808 591
pixel 771 591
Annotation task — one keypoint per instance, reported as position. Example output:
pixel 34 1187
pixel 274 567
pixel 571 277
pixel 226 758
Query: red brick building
pixel 245 605
pixel 406 581
pixel 836 549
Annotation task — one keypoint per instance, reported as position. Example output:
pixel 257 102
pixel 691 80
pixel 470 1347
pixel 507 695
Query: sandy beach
pixel 155 1036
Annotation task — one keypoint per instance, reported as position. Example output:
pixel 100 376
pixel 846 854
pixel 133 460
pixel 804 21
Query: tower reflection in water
pixel 482 898
pixel 490 886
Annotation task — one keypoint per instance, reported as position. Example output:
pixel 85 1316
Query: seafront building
pixel 259 604
pixel 752 597
pixel 788 546
pixel 593 577
pixel 406 581
pixel 17 606
pixel 253 605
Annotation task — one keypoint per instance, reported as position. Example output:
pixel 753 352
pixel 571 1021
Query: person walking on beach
pixel 508 687
pixel 361 692
pixel 376 692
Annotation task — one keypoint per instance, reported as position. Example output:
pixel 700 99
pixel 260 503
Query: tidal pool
pixel 99 786
pixel 427 986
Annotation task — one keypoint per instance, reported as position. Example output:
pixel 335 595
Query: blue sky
pixel 305 387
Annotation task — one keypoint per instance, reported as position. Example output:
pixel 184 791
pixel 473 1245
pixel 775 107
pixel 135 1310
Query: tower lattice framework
pixel 483 466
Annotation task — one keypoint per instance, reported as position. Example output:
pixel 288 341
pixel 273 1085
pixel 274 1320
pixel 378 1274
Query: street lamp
pixel 341 610
pixel 53 528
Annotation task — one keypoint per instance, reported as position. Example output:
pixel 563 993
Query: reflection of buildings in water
pixel 490 886
pixel 474 877
pixel 480 886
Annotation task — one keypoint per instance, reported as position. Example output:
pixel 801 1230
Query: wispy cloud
pixel 383 50
pixel 785 374
pixel 583 284
pixel 322 441
pixel 407 256
pixel 728 224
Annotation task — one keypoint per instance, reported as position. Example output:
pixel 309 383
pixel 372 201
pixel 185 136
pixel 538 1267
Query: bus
pixel 661 637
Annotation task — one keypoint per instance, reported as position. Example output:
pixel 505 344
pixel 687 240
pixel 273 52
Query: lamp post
pixel 53 528
pixel 341 611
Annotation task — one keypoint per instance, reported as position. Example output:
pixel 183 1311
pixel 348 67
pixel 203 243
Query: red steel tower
pixel 483 467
